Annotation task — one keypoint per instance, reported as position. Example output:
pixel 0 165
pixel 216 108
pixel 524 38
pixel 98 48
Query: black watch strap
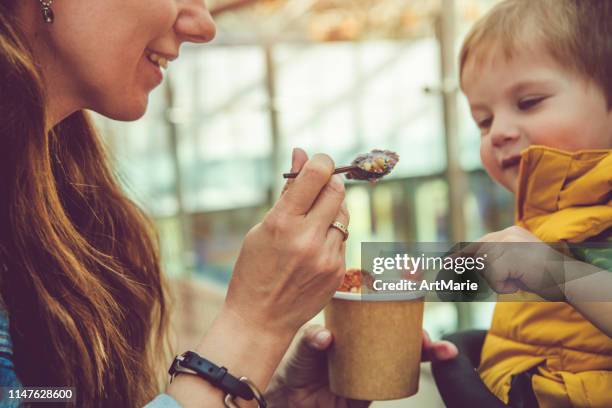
pixel 192 363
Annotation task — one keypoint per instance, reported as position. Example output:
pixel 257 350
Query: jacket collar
pixel 551 180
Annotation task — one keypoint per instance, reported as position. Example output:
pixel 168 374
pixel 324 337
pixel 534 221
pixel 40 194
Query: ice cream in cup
pixel 376 352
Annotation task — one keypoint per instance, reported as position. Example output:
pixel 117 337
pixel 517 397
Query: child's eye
pixel 484 124
pixel 528 103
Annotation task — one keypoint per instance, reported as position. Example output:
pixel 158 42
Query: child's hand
pixel 437 350
pixel 536 267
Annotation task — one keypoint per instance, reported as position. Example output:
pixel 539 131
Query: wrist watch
pixel 191 363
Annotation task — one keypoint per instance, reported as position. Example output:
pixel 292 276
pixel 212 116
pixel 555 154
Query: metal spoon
pixel 370 166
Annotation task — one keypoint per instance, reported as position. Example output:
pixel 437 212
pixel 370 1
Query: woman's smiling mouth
pixel 158 60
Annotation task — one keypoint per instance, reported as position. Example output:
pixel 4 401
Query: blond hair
pixel 576 33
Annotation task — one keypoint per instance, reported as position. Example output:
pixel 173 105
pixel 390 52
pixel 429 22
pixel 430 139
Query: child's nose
pixel 503 133
pixel 194 22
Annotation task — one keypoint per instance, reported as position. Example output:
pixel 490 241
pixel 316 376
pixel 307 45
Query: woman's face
pixel 101 55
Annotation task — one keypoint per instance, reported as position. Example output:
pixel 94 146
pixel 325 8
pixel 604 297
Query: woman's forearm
pixel 589 290
pixel 245 350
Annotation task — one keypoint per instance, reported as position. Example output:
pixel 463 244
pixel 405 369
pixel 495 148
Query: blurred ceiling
pixel 323 20
pixel 269 21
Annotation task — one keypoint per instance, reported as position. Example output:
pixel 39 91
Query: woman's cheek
pixel 165 15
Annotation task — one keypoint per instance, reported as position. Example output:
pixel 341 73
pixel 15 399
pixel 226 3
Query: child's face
pixel 529 99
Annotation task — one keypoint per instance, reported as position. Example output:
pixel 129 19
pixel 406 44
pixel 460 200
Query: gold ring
pixel 342 228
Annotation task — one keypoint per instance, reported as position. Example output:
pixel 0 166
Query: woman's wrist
pixel 243 348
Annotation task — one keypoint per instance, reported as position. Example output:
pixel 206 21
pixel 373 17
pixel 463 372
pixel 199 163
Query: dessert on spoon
pixel 371 166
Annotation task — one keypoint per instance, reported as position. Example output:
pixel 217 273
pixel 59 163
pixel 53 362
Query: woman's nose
pixel 194 22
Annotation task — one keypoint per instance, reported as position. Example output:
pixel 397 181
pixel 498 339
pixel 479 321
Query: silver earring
pixel 47 13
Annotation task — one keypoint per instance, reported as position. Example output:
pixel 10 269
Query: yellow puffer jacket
pixel 562 197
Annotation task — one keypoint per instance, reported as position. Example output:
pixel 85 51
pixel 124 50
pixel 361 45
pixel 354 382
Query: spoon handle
pixel 338 170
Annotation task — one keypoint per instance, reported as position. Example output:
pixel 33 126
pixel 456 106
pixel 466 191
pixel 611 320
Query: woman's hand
pixel 291 263
pixel 302 380
pixel 289 267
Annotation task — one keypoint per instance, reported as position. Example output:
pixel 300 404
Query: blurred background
pixel 335 76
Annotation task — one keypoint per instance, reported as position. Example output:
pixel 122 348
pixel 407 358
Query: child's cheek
pixel 488 160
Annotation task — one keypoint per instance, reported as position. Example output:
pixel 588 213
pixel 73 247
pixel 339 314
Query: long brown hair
pixel 79 268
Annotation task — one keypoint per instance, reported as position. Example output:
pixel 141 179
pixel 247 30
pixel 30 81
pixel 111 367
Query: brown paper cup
pixel 376 352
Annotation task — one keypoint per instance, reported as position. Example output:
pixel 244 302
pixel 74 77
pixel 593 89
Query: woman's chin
pixel 125 110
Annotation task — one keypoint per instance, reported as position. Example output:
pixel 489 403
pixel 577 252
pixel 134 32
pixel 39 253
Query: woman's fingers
pixel 322 202
pixel 334 236
pixel 308 364
pixel 298 159
pixel 327 205
pixel 313 177
pixel 317 337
